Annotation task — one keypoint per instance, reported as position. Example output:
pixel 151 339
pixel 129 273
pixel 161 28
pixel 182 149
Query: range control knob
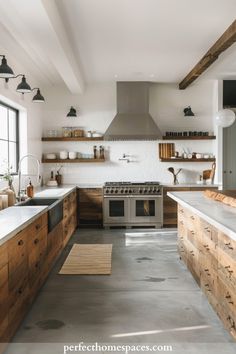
pixel 122 191
pixel 126 190
pixel 116 190
pixel 145 190
pixel 130 191
pixel 107 191
pixel 112 191
pixel 140 191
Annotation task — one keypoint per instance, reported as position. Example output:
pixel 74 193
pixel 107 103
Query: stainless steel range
pixel 132 204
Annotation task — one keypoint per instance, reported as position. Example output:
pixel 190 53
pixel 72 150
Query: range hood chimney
pixel 132 121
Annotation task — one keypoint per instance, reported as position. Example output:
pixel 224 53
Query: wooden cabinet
pixel 69 216
pixel 90 207
pixel 170 206
pixel 25 261
pixel 211 258
pixel 4 293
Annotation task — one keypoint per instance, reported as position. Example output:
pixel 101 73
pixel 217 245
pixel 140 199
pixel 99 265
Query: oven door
pixel 146 209
pixel 116 209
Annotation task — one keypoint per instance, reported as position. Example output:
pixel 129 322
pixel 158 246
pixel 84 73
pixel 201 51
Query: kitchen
pixel 108 142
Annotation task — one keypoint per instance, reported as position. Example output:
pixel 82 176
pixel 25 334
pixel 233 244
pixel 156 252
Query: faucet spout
pixel 20 173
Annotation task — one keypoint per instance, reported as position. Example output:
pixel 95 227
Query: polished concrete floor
pixel 150 298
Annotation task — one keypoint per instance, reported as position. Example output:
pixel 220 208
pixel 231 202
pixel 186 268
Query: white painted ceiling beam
pixel 37 27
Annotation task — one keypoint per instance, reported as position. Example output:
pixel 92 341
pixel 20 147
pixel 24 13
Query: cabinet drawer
pixel 3 275
pixel 38 224
pixel 209 231
pixel 227 245
pixel 3 255
pixel 4 300
pixel 3 332
pixel 17 250
pixel 38 242
pixel 17 294
pixel 15 277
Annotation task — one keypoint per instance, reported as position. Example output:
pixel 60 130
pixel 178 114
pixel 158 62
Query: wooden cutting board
pixel 225 196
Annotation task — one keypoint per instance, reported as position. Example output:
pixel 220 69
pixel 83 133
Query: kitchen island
pixel 207 245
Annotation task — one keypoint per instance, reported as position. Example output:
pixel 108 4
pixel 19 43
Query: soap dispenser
pixel 30 190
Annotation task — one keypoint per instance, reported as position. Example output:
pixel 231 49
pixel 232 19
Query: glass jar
pixel 77 132
pixel 67 132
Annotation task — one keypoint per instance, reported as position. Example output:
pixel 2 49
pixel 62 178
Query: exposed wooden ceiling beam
pixel 223 43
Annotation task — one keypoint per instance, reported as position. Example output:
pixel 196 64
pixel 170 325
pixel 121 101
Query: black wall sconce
pixel 7 73
pixel 38 97
pixel 188 112
pixel 72 112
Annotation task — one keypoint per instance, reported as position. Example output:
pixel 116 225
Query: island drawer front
pixel 17 250
pixel 209 284
pixel 209 231
pixel 227 266
pixel 227 244
pixel 193 260
pixel 182 251
pixel 3 255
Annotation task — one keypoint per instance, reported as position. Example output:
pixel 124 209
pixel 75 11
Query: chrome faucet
pixel 20 174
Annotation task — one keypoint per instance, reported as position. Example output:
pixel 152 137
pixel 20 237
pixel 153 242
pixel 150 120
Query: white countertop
pixel 54 192
pixel 190 185
pixel 15 219
pixel 222 216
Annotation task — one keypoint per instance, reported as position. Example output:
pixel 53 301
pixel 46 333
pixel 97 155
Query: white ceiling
pixel 79 41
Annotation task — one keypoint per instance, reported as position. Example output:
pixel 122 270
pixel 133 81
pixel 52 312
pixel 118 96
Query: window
pixel 9 138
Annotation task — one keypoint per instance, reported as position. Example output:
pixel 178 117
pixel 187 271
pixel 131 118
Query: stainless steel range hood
pixel 132 121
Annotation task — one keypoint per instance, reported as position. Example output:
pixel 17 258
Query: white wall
pixel 97 107
pixel 30 120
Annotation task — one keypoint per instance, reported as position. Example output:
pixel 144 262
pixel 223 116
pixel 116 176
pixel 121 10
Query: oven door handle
pixel 117 196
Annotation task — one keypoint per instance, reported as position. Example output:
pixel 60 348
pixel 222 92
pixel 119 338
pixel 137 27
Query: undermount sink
pixel 55 209
pixel 38 201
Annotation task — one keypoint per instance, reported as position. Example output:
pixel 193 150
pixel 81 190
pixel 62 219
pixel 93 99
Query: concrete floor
pixel 150 298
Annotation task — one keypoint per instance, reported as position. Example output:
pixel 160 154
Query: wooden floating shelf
pixel 207 137
pixel 71 160
pixel 187 160
pixel 73 139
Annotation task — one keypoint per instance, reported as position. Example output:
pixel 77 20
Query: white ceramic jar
pixel 72 155
pixel 63 155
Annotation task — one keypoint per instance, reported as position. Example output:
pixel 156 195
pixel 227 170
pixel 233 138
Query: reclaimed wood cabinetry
pixel 170 206
pixel 90 207
pixel 210 255
pixel 69 216
pixel 25 262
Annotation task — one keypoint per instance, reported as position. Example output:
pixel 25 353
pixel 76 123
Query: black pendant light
pixel 23 87
pixel 5 71
pixel 38 97
pixel 188 112
pixel 72 112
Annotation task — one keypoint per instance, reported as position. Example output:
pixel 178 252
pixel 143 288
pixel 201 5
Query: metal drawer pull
pixel 37 226
pixel 20 243
pixel 36 241
pixel 192 217
pixel 228 296
pixel 206 270
pixel 231 302
pixel 226 267
pixel 20 291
